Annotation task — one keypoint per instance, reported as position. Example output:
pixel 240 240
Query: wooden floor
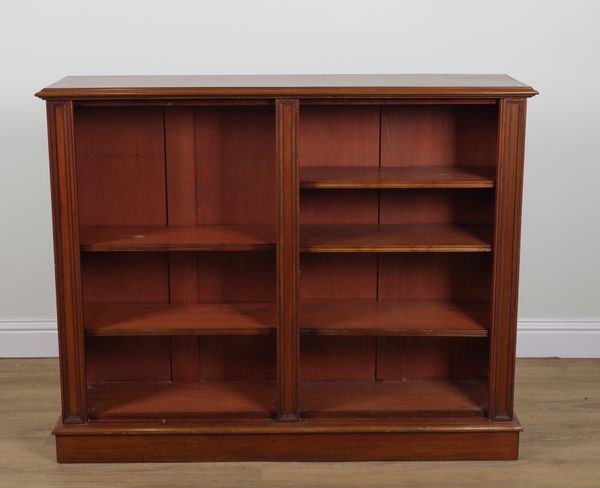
pixel 558 402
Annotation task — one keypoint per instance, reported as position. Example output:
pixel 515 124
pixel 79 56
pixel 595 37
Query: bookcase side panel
pixel 67 265
pixel 506 257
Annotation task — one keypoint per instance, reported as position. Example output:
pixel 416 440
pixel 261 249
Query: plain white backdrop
pixel 550 45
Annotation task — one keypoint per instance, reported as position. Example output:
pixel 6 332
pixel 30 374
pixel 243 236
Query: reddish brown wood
pixel 435 276
pixel 409 221
pixel 438 136
pixel 178 238
pixel 143 359
pixel 287 258
pixel 116 147
pixel 432 358
pixel 395 177
pixel 391 317
pixel 427 446
pixel 112 401
pixel 269 86
pixel 506 257
pixel 420 399
pixel 183 319
pixel 66 256
pixel 439 206
pixel 395 238
pixel 236 358
pixel 337 358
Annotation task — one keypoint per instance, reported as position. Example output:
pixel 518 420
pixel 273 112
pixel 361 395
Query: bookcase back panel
pixel 227 358
pixel 442 276
pixel 431 358
pixel 221 165
pixel 125 277
pixel 338 136
pixel 439 135
pixel 120 166
pixel 345 207
pixel 437 207
pixel 338 276
pixel 223 277
pixel 337 358
pixel 128 359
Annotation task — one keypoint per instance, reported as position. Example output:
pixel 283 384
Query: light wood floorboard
pixel 558 403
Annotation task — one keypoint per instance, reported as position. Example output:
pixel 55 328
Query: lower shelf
pixel 134 401
pixel 389 399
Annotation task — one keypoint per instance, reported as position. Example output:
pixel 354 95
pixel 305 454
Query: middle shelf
pixel 315 317
pixel 313 238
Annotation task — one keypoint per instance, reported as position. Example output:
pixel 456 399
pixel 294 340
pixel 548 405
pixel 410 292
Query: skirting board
pixel 536 338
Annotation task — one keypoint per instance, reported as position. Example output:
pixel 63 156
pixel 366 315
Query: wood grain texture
pixel 137 401
pixel 120 159
pixel 179 319
pixel 432 358
pixel 506 258
pixel 391 317
pixel 438 135
pixel 139 359
pixel 178 238
pixel 435 276
pixel 384 85
pixel 287 114
pixel 394 177
pixel 67 261
pixel 328 358
pixel 394 238
pixel 419 399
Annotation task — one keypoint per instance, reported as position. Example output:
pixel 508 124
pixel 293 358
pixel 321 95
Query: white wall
pixel 551 45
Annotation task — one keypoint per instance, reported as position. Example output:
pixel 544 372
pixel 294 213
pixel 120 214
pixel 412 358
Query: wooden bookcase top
pixel 351 85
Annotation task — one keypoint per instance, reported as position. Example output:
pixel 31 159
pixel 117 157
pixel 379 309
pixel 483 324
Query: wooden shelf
pixel 395 238
pixel 178 238
pixel 419 399
pixel 394 318
pixel 112 401
pixel 396 177
pixel 181 319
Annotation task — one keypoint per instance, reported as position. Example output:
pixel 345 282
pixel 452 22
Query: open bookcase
pixel 287 268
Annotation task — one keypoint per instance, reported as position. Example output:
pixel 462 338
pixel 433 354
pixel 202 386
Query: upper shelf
pixel 178 238
pixel 395 238
pixel 304 86
pixel 396 177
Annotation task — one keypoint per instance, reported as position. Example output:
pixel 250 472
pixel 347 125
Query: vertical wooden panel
pixel 437 207
pixel 337 358
pixel 121 166
pixel 506 257
pixel 432 358
pixel 180 151
pixel 435 276
pixel 235 165
pixel 438 135
pixel 287 258
pixel 237 358
pixel 67 261
pixel 127 359
pixel 339 136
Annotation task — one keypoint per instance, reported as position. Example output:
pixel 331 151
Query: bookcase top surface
pixel 268 86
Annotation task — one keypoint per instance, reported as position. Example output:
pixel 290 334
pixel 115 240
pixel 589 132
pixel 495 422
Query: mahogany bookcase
pixel 287 267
